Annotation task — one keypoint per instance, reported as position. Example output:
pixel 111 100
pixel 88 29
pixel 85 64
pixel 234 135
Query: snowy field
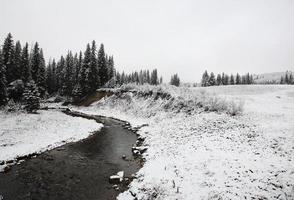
pixel 22 134
pixel 198 148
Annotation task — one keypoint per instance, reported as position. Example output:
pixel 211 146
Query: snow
pixel 22 134
pixel 201 154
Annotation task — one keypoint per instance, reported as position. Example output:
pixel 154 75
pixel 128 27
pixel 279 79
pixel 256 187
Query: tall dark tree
pixel 59 72
pixel 93 75
pixel 3 89
pixel 31 97
pixel 17 70
pixel 154 77
pixel 205 79
pixel 175 80
pixel 8 57
pixel 68 75
pixel 238 79
pixel 232 80
pixel 211 80
pixel 84 72
pixel 102 66
pixel 110 67
pixel 25 64
pixel 41 75
pixel 219 80
pixel 35 62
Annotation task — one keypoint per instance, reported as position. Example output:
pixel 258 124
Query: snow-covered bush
pixel 176 99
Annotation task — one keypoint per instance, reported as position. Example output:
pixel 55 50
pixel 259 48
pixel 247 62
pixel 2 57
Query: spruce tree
pixel 232 80
pixel 291 81
pixel 41 75
pixel 8 58
pixel 211 80
pixel 102 66
pixel 31 97
pixel 238 79
pixel 154 77
pixel 84 75
pixel 35 62
pixel 25 64
pixel 219 80
pixel 17 70
pixel 175 80
pixel 205 79
pixel 68 74
pixel 93 76
pixel 3 89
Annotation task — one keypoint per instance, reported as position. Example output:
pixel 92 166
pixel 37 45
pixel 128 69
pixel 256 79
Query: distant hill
pixel 274 77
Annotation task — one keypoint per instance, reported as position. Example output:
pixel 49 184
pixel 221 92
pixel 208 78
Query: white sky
pixel 182 36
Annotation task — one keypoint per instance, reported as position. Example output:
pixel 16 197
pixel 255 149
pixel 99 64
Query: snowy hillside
pixel 198 150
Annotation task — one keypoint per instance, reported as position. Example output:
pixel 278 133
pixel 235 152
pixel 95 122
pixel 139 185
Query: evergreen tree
pixel 102 66
pixel 154 77
pixel 291 81
pixel 84 76
pixel 175 80
pixel 211 80
pixel 110 67
pixel 205 79
pixel 219 80
pixel 68 75
pixel 25 64
pixel 41 75
pixel 3 89
pixel 226 79
pixel 238 79
pixel 8 57
pixel 35 62
pixel 232 80
pixel 59 72
pixel 31 97
pixel 17 70
pixel 160 80
pixel 287 78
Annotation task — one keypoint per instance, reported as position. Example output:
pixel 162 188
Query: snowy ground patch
pixel 22 134
pixel 198 154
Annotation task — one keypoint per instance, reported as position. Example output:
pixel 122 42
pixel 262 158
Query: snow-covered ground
pixel 194 153
pixel 22 134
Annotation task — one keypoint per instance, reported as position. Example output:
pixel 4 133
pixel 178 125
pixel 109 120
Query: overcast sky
pixel 183 36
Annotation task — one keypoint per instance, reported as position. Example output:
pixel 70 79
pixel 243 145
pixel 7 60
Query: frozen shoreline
pixel 22 134
pixel 210 155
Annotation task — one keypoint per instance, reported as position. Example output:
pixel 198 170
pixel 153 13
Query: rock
pixel 138 150
pixel 6 169
pixel 124 157
pixel 116 187
pixel 116 179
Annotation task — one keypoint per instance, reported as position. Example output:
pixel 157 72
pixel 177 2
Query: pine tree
pixel 154 77
pixel 226 79
pixel 160 80
pixel 8 57
pixel 287 78
pixel 3 89
pixel 35 62
pixel 31 97
pixel 84 76
pixel 291 81
pixel 17 70
pixel 41 75
pixel 175 80
pixel 238 79
pixel 59 72
pixel 102 66
pixel 219 80
pixel 68 74
pixel 232 80
pixel 25 64
pixel 205 79
pixel 110 67
pixel 211 80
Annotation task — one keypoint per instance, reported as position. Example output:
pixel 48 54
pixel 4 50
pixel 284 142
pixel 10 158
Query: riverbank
pixel 197 153
pixel 77 170
pixel 23 134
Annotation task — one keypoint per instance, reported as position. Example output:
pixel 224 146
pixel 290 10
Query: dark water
pixel 77 170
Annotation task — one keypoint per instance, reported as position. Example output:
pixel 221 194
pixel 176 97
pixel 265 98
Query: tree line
pixel 74 75
pixel 225 79
pixel 287 78
pixel 139 77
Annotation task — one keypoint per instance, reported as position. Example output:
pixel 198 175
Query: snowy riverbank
pixel 210 155
pixel 22 134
